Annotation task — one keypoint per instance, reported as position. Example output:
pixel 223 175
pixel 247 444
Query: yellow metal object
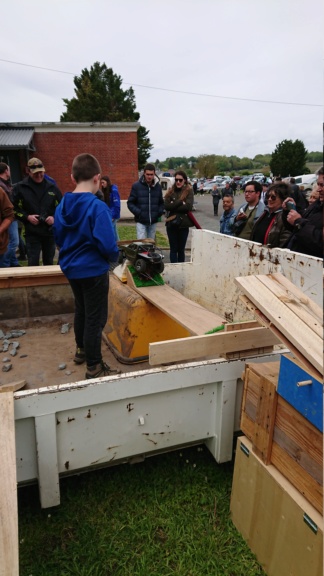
pixel 133 322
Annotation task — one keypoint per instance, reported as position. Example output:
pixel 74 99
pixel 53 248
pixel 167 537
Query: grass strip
pixel 140 281
pixel 166 516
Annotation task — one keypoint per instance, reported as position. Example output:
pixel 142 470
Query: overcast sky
pixel 267 50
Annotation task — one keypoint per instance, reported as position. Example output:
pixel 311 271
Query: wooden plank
pixel 31 276
pixel 254 375
pixel 12 386
pixel 246 353
pixel 189 314
pixel 265 419
pixel 241 325
pixel 289 324
pixel 294 304
pixel 304 437
pixel 9 550
pixel 208 345
pixel 30 271
pixel 309 304
pixel 302 481
pixel 265 322
pixel 270 514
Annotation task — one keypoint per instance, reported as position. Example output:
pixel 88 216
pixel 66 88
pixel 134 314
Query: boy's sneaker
pixel 79 357
pixel 101 369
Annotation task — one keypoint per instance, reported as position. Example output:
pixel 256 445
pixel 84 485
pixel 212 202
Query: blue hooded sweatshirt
pixel 84 233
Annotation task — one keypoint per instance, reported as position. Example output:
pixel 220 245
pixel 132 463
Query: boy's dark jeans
pixel 91 313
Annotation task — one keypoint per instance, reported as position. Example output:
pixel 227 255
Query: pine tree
pixel 99 97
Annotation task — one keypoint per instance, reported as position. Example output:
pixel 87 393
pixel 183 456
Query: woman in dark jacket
pixel 269 229
pixel 178 201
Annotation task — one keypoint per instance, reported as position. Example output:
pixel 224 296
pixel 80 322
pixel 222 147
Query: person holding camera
pixel 35 202
pixel 306 227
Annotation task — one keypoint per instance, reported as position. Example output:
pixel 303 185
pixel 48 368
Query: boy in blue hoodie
pixel 84 233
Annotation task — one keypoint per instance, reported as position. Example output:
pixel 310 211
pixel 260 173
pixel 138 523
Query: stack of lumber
pixel 277 493
pixel 292 316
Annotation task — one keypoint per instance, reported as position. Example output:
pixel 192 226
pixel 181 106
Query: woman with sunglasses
pixel 269 229
pixel 178 201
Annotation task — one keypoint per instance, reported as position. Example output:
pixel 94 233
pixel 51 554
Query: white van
pixel 306 181
pixel 166 183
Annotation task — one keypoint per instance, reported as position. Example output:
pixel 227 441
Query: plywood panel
pixel 9 564
pixel 282 529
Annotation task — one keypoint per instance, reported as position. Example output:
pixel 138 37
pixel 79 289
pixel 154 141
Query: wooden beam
pixel 213 345
pixel 9 550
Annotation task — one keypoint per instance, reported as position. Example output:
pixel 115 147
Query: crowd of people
pixel 278 216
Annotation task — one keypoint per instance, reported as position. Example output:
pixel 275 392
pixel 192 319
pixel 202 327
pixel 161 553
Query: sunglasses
pixel 272 197
pixel 179 179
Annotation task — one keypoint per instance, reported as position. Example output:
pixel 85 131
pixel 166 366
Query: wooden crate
pixel 280 526
pixel 280 435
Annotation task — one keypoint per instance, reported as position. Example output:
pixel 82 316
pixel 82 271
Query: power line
pixel 175 91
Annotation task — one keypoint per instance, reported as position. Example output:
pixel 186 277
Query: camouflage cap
pixel 35 165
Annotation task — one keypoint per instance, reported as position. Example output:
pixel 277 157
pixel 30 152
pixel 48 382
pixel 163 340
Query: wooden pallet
pixel 280 435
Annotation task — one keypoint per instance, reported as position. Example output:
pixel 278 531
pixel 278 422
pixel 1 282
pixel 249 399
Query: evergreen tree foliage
pixel 289 158
pixel 99 97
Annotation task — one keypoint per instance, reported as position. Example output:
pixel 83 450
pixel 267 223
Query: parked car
pixel 306 182
pixel 245 179
pixel 208 186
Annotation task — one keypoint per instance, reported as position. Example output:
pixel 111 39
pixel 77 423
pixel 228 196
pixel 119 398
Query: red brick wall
pixel 116 152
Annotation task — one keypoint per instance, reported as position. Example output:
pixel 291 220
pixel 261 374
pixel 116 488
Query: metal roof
pixel 16 138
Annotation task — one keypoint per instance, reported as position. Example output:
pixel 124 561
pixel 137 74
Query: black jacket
pixel 307 237
pixel 31 198
pixel 146 202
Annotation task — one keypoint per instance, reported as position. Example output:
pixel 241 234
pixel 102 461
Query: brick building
pixel 57 143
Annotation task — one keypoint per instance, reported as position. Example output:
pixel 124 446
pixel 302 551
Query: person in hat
pixel 35 202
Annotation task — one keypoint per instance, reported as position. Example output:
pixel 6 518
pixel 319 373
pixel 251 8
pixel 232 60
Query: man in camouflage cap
pixel 35 201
